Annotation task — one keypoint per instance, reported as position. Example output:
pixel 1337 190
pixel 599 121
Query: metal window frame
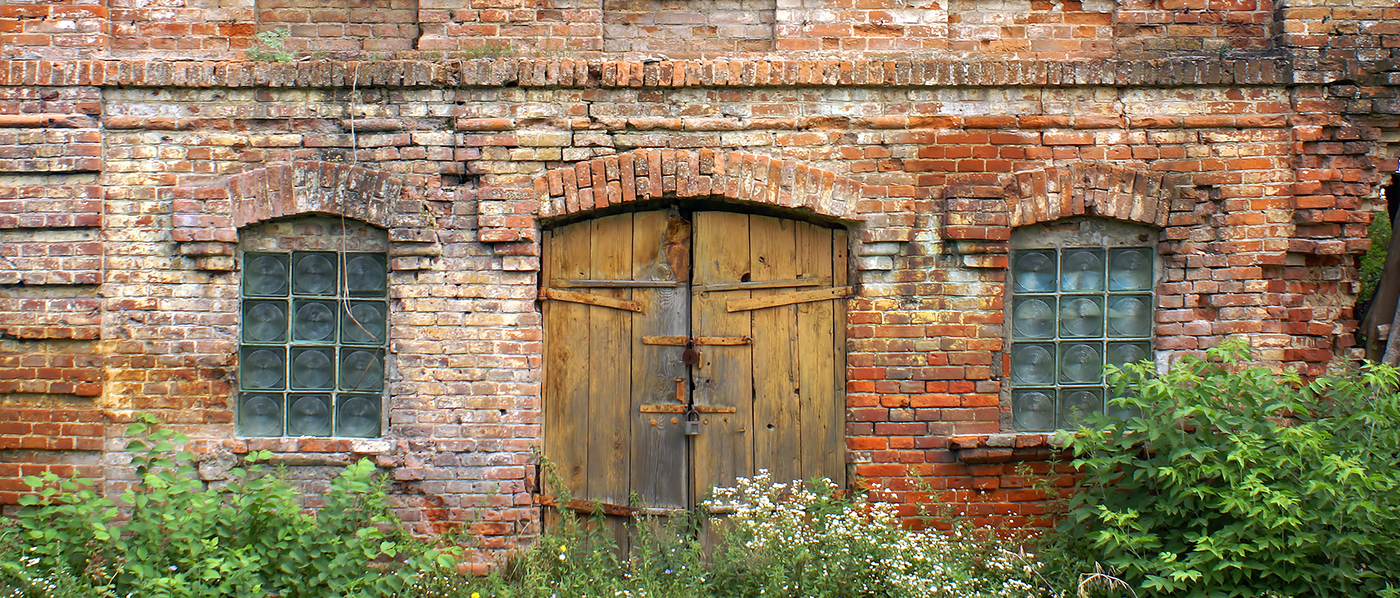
pixel 1059 388
pixel 290 345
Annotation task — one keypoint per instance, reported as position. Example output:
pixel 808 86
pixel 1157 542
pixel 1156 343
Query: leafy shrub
pixel 781 540
pixel 1373 261
pixel 173 536
pixel 1237 481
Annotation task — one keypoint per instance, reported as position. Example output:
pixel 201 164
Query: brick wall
pixel 334 26
pixel 676 27
pixel 217 29
pixel 1253 139
pixel 60 29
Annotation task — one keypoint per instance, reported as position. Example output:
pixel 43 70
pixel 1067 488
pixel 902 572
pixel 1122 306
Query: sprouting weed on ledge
pixel 275 46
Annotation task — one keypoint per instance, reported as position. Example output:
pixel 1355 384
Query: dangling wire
pixel 354 159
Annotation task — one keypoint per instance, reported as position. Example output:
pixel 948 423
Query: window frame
pixel 1060 236
pixel 347 403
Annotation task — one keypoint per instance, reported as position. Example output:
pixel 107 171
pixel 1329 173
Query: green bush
pixel 1373 261
pixel 173 536
pixel 1237 481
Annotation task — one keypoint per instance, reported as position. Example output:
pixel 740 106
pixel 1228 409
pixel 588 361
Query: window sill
pixel 1002 448
pixel 320 451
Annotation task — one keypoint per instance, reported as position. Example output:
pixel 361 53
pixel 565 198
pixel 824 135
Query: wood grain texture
pixel 724 376
pixel 609 365
pixel 659 462
pixel 815 340
pixel 776 426
pixel 566 415
pixel 610 376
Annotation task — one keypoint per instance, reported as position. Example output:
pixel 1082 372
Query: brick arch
pixel 206 228
pixel 311 187
pixel 647 174
pixel 1103 190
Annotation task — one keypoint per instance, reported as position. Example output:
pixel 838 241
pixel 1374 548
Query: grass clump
pixel 778 540
pixel 274 46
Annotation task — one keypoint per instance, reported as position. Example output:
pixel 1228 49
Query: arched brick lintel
pixel 205 227
pixel 312 187
pixel 647 174
pixel 981 213
pixel 1103 190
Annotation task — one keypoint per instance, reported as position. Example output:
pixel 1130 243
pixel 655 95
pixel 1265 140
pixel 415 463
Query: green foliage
pixel 775 540
pixel 1237 481
pixel 1373 262
pixel 275 46
pixel 172 536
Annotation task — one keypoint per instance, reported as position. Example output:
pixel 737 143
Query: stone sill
pixel 1002 448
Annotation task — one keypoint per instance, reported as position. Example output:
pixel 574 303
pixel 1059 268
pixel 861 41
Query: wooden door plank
pixel 566 361
pixel 610 359
pixel 610 373
pixel 659 472
pixel 815 338
pixel 776 422
pixel 834 459
pixel 723 377
pixel 777 300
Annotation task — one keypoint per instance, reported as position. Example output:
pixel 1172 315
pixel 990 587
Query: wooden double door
pixel 683 350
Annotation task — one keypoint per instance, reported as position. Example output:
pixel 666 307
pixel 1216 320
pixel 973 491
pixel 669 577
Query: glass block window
pixel 314 336
pixel 1074 309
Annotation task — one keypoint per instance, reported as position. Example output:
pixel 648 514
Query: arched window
pixel 314 318
pixel 1080 295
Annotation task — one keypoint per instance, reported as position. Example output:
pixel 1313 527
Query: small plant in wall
pixel 274 46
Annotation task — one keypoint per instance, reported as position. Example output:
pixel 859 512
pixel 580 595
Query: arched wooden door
pixel 653 319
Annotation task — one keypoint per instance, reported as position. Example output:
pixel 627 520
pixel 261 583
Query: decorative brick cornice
pixel 206 227
pixel 722 72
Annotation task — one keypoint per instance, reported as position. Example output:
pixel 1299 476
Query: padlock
pixel 692 423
